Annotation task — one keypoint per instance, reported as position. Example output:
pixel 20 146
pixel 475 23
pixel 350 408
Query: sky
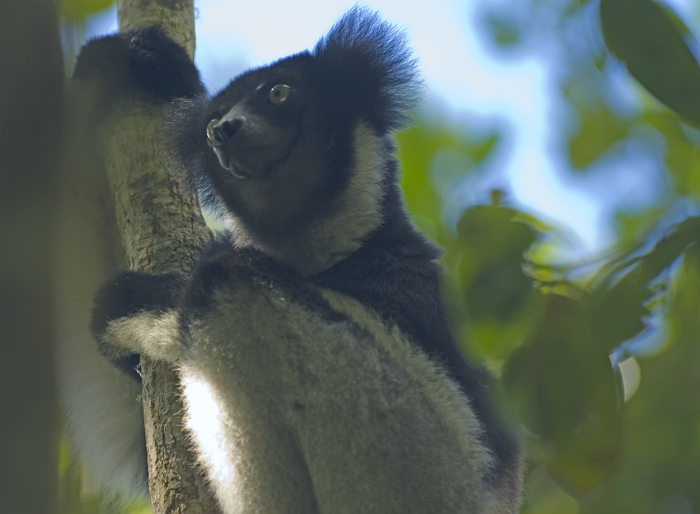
pixel 464 79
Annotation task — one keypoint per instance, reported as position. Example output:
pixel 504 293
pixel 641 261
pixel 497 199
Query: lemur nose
pixel 226 129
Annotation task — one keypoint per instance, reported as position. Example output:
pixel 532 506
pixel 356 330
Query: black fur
pixel 370 69
pixel 143 61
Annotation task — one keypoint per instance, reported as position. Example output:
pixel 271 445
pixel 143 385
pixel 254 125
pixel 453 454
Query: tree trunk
pixel 161 231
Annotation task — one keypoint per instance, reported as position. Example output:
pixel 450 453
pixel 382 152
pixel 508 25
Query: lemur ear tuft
pixel 370 61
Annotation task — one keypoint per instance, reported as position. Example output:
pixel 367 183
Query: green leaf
pixel 643 35
pixel 670 248
pixel 565 392
pixel 618 306
pixel 78 10
pixel 599 130
pixel 505 32
pixel 680 152
pixel 662 420
pixel 481 149
pixel 491 273
pixel 417 148
pixel 616 314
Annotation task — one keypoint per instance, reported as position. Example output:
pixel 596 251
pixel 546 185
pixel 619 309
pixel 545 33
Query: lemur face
pixel 253 135
pixel 279 145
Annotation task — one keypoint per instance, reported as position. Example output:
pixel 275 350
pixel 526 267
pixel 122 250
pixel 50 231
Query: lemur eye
pixel 279 94
pixel 210 128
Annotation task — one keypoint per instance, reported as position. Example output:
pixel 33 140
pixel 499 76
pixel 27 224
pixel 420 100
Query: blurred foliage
pixel 78 10
pixel 650 40
pixel 600 360
pixel 75 495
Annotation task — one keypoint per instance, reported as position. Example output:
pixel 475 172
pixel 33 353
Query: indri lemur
pixel 316 363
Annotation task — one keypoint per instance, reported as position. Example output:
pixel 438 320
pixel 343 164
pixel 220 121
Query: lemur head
pixel 296 153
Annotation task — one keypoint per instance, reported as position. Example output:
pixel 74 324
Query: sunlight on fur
pixel 205 420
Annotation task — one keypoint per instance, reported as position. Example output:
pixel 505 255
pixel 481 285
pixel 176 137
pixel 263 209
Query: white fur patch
pixel 205 419
pixel 356 212
pixel 147 333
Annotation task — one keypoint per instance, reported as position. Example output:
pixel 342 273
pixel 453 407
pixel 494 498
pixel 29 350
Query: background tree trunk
pixel 30 145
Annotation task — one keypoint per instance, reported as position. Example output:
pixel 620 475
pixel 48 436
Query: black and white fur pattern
pixel 316 363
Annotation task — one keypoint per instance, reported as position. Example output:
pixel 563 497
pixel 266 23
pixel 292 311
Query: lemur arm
pixel 132 308
pixel 135 312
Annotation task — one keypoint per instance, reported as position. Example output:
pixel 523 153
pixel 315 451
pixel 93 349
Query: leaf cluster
pixel 599 360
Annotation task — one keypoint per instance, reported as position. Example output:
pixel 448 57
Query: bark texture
pixel 175 16
pixel 161 231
